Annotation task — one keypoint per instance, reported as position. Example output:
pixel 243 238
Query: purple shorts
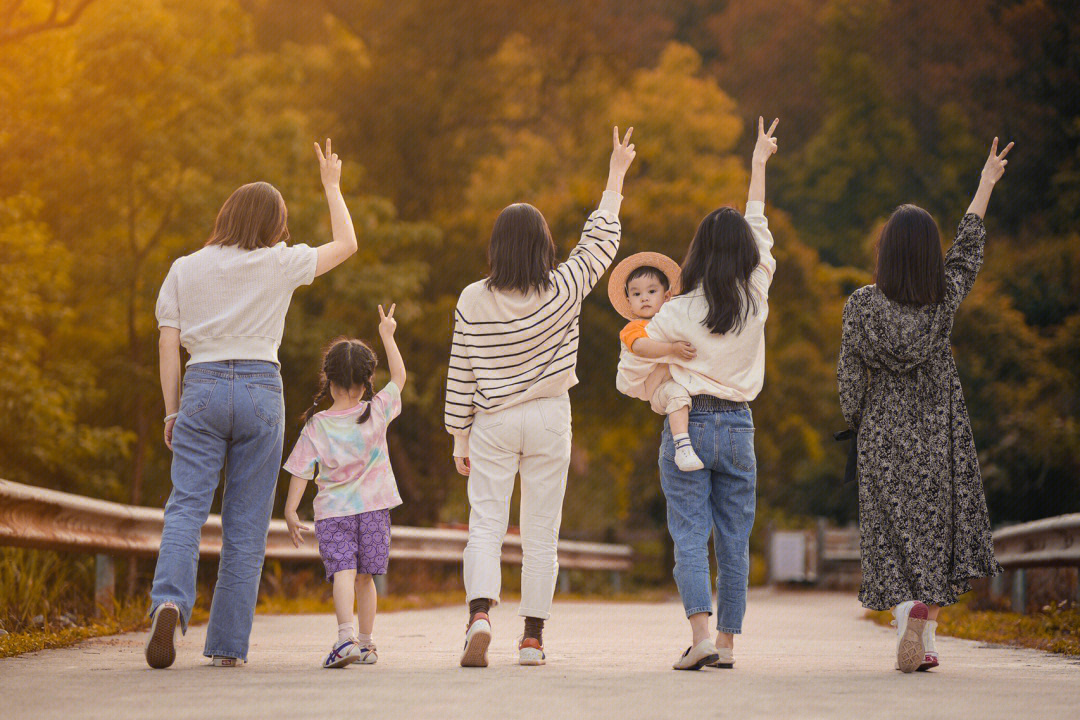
pixel 360 542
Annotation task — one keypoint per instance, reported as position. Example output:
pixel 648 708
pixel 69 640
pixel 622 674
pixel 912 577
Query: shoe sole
pixel 707 660
pixel 723 665
pixel 927 666
pixel 160 647
pixel 531 661
pixel 343 662
pixel 910 652
pixel 475 654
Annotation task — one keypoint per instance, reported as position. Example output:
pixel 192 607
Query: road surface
pixel 803 655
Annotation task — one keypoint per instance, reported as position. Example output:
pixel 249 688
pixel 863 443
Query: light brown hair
pixel 253 217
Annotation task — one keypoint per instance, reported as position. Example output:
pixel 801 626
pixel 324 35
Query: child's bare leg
pixel 344 599
pixel 679 421
pixel 366 600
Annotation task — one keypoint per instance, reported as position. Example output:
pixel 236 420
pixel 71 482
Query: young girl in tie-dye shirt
pixel 347 443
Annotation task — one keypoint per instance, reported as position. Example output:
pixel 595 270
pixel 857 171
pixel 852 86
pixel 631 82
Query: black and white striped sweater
pixel 510 347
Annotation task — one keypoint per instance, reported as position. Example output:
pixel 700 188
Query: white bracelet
pixel 173 416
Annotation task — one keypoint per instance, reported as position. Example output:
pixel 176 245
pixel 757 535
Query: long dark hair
pixel 254 216
pixel 910 265
pixel 521 254
pixel 720 260
pixel 347 363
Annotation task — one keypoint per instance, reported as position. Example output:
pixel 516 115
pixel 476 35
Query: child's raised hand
pixel 387 323
pixel 329 166
pixel 684 350
pixel 296 528
pixel 766 143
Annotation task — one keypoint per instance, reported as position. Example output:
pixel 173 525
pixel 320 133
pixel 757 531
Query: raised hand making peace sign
pixel 995 164
pixel 992 171
pixel 329 166
pixel 766 143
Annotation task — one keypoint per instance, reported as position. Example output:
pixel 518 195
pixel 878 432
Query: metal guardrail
pixel 1050 542
pixel 48 519
pixel 832 553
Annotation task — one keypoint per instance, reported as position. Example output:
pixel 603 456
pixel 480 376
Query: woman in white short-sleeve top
pixel 226 304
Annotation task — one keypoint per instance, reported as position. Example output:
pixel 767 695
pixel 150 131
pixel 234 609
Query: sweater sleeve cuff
pixel 461 445
pixel 611 202
pixel 755 207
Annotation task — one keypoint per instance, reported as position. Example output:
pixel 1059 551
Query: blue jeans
pixel 231 416
pixel 719 499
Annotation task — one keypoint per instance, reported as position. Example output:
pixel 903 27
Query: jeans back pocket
pixel 742 448
pixel 268 401
pixel 196 394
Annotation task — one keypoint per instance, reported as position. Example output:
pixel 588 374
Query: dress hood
pixel 899 337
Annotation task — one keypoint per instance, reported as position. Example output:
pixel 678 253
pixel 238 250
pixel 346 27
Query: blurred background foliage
pixel 123 131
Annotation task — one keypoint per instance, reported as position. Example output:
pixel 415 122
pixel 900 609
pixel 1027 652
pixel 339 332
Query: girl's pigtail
pixel 324 392
pixel 369 393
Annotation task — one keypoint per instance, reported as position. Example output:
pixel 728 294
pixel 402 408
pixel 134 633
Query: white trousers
pixel 532 438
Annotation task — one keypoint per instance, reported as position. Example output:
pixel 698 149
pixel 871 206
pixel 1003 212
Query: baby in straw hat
pixel 638 287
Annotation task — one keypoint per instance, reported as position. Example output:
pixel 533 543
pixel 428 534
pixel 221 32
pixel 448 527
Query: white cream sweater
pixel 509 348
pixel 230 304
pixel 729 366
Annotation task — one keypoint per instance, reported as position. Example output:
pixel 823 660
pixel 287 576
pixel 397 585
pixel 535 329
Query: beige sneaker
pixel 160 647
pixel 531 652
pixel 477 639
pixel 698 656
pixel 225 661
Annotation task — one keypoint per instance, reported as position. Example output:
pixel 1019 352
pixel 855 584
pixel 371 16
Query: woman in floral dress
pixel 922 509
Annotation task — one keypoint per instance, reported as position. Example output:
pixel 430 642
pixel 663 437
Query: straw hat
pixel 616 287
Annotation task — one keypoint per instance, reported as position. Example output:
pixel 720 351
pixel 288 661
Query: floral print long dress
pixel 922 509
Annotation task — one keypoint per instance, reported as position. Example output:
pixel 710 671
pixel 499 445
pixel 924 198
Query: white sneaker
pixel 477 639
pixel 160 648
pixel 930 659
pixel 369 655
pixel 911 618
pixel 687 460
pixel 698 656
pixel 226 661
pixel 530 652
pixel 343 653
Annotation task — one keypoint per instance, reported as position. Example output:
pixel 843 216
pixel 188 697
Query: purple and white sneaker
pixel 343 653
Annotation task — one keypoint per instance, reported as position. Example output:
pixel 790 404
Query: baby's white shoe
pixel 686 459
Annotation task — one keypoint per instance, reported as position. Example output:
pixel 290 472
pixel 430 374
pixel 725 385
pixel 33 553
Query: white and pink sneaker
pixel 930 659
pixel 911 618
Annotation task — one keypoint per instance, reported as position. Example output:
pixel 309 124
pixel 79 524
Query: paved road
pixel 803 655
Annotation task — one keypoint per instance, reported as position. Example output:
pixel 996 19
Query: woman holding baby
pixel 713 332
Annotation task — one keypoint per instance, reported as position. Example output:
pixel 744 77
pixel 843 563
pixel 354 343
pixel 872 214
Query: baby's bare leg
pixel 679 421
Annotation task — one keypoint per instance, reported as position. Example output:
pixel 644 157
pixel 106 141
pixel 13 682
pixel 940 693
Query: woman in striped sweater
pixel 511 364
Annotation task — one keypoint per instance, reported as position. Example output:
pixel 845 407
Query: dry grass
pixel 1056 628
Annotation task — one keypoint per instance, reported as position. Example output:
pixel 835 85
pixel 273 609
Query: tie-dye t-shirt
pixel 354 466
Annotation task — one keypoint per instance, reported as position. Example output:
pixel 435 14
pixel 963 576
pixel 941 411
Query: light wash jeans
pixel 720 498
pixel 231 416
pixel 532 438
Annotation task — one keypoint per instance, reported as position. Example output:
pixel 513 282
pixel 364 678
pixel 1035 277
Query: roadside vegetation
pixel 1054 628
